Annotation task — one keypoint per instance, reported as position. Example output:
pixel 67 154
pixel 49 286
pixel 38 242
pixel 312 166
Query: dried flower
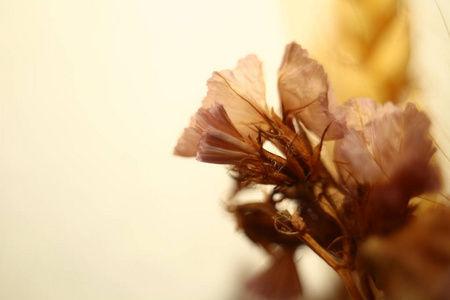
pixel 234 121
pixel 413 263
pixel 386 153
pixel 382 158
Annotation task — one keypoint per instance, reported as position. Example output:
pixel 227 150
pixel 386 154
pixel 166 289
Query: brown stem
pixel 342 271
pixel 365 286
pixel 340 267
pixel 322 253
pixel 350 284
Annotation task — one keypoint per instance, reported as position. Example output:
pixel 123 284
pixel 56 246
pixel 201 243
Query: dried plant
pixel 363 196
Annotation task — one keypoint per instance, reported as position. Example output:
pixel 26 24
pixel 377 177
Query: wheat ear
pixel 367 52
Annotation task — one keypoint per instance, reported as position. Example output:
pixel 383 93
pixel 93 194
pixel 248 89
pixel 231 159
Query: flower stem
pixel 340 267
pixel 349 283
pixel 342 271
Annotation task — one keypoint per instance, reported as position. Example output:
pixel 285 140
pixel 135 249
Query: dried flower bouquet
pixel 352 211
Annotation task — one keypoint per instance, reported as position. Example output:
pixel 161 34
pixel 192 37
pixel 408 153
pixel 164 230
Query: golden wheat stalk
pixel 367 53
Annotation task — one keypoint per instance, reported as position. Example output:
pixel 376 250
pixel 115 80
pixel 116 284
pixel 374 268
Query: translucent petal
pixel 304 92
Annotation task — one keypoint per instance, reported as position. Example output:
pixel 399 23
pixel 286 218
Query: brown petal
pixel 414 262
pixel 280 281
pixel 257 221
pixel 304 92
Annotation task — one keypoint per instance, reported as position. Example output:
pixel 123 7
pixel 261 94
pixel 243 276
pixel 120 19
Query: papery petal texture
pixel 187 143
pixel 241 92
pixel 383 142
pixel 354 160
pixel 221 142
pixel 360 111
pixel 304 92
pixel 388 155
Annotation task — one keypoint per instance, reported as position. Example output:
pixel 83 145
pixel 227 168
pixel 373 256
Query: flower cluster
pixel 381 160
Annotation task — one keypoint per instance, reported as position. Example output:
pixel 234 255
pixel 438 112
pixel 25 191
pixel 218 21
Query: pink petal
pixel 361 111
pixel 303 88
pixel 247 79
pixel 390 145
pixel 221 143
pixel 242 94
pixel 187 143
pixel 354 161
pixel 399 138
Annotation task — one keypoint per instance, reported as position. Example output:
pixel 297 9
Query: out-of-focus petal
pixel 417 143
pixel 362 111
pixel 280 281
pixel 400 140
pixel 187 143
pixel 370 146
pixel 355 161
pixel 303 88
pixel 390 157
pixel 384 138
pixel 382 141
pixel 414 262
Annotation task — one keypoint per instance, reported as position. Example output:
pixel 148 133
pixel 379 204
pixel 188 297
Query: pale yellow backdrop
pixel 93 96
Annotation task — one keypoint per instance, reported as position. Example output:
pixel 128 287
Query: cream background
pixel 93 96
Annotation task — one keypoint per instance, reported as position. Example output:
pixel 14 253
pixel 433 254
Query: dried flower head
pixel 382 158
pixel 234 120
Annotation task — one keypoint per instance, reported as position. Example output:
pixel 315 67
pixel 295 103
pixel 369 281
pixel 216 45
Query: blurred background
pixel 93 97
